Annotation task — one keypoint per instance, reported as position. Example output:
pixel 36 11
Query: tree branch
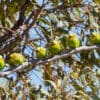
pixel 16 26
pixel 47 60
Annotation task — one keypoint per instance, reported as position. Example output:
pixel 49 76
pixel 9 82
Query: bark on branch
pixel 56 57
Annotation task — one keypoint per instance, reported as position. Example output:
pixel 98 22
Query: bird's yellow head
pixel 72 35
pixel 94 34
pixel 0 57
pixel 55 42
pixel 13 55
pixel 40 49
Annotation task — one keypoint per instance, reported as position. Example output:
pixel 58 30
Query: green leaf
pixel 45 92
pixel 93 22
pixel 53 18
pixel 53 84
pixel 4 84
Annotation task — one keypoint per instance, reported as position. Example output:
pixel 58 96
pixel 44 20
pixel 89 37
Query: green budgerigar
pixel 16 58
pixel 73 41
pixel 95 38
pixel 2 63
pixel 54 47
pixel 40 52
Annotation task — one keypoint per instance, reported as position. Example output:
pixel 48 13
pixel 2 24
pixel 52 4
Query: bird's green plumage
pixel 95 38
pixel 2 63
pixel 16 58
pixel 54 47
pixel 40 52
pixel 73 41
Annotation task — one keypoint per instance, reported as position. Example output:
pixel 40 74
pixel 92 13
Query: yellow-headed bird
pixel 2 63
pixel 16 58
pixel 54 47
pixel 73 41
pixel 95 38
pixel 98 72
pixel 40 52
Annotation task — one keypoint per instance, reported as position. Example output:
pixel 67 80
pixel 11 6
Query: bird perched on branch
pixel 73 41
pixel 40 52
pixel 54 47
pixel 2 63
pixel 16 58
pixel 95 38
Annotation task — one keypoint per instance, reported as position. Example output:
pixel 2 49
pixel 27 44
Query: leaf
pixel 41 99
pixel 92 21
pixel 53 18
pixel 4 84
pixel 53 84
pixel 45 92
pixel 63 24
pixel 64 81
pixel 83 80
pixel 84 95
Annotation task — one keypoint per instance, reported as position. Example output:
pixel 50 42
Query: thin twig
pixel 47 60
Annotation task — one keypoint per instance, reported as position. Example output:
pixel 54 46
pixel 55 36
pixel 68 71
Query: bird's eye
pixel 70 37
pixel 93 35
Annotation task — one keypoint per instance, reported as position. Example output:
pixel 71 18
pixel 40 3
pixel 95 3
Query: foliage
pixel 70 67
